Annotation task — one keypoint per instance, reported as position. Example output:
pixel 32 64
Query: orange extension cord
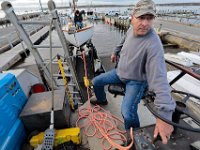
pixel 101 123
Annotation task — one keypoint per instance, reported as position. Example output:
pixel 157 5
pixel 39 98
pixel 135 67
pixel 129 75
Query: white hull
pixel 186 84
pixel 80 37
pixel 179 59
pixel 193 57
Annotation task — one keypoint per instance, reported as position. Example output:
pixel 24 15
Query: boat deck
pixel 114 107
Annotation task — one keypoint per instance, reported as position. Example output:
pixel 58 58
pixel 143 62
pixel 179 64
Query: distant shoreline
pixel 115 5
pixel 167 4
pixel 180 4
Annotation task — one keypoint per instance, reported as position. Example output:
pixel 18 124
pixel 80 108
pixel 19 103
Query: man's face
pixel 142 24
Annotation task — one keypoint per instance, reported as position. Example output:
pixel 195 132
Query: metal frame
pixel 64 42
pixel 9 11
pixel 42 66
pixel 184 71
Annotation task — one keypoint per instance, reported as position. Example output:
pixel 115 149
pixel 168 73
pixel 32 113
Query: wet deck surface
pixel 114 107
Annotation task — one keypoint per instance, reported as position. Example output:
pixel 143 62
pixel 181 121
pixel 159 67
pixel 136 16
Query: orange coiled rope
pixel 101 123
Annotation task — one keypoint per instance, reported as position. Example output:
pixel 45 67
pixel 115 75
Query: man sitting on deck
pixel 141 64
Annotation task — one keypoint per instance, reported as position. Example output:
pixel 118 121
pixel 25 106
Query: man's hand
pixel 164 129
pixel 113 58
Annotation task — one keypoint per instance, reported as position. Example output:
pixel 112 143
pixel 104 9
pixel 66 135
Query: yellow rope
pixel 71 102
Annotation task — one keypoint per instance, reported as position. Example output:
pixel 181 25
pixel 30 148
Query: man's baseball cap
pixel 144 7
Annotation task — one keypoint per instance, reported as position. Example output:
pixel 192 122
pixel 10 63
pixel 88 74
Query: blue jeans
pixel 79 25
pixel 133 94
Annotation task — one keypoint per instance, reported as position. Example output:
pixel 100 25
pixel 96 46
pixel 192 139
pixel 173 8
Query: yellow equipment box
pixel 61 136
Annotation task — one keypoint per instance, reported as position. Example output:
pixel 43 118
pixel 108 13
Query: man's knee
pixel 126 114
pixel 96 81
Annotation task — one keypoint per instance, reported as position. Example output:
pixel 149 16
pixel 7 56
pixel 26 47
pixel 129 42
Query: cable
pixel 148 101
pixel 101 123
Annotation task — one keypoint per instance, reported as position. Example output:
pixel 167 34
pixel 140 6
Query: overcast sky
pixel 35 3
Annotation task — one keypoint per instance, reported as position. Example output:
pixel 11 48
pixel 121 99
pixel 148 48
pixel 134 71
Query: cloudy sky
pixel 35 3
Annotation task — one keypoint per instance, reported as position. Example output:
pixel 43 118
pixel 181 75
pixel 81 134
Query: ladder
pixel 41 63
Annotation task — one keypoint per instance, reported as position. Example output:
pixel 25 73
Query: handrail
pixel 184 69
pixel 79 30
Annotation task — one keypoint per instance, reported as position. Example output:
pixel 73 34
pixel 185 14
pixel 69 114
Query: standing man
pixel 78 20
pixel 141 65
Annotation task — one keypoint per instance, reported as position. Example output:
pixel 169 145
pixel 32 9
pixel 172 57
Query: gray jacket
pixel 142 59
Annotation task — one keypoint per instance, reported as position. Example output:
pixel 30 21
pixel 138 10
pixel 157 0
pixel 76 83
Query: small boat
pixel 179 59
pixel 80 36
pixel 193 57
pixel 187 83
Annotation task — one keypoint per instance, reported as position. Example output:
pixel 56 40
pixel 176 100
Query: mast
pixel 74 5
pixel 41 5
